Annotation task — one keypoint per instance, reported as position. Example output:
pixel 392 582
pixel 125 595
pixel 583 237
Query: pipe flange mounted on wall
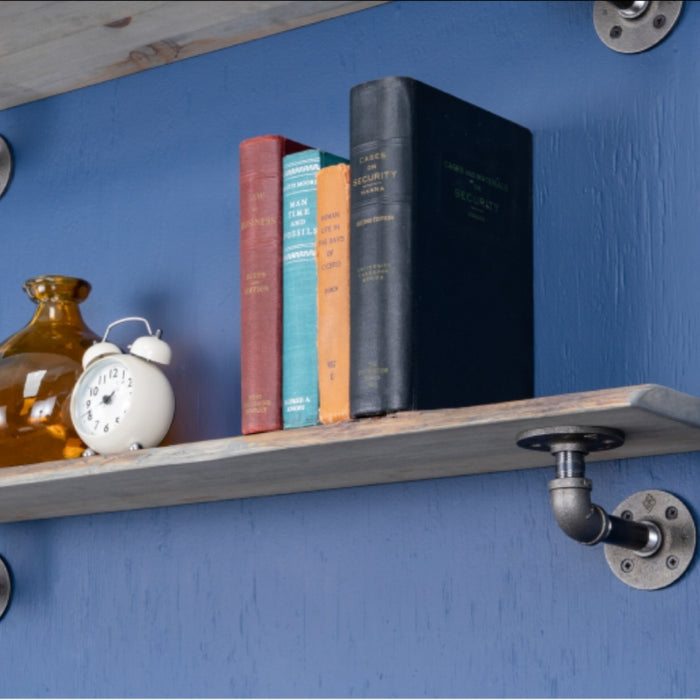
pixel 649 540
pixel 5 587
pixel 6 165
pixel 633 27
pixel 674 555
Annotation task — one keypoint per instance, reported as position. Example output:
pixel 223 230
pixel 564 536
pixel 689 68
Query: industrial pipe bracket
pixel 634 26
pixel 675 554
pixel 5 587
pixel 649 540
pixel 6 165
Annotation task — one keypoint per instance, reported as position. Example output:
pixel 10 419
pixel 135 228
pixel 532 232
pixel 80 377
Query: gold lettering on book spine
pixel 256 283
pixel 256 404
pixel 370 180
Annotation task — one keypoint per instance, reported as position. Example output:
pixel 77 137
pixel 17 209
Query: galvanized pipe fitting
pixel 662 538
pixel 570 492
pixel 575 514
pixel 589 524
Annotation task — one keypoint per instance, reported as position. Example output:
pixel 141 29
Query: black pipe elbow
pixel 580 519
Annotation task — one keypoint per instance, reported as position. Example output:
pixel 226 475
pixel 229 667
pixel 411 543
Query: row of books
pixel 398 279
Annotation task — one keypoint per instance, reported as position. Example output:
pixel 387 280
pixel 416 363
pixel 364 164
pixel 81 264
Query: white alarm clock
pixel 123 401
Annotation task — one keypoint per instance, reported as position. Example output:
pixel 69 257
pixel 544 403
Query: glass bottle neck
pixel 58 311
pixel 57 298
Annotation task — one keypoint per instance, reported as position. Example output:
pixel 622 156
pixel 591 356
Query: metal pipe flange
pixel 675 551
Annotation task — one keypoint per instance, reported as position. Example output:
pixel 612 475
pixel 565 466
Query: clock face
pixel 103 398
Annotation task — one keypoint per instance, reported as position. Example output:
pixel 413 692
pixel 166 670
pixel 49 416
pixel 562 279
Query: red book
pixel 260 184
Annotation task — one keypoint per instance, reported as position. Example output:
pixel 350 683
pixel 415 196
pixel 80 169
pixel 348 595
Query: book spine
pixel 381 244
pixel 260 189
pixel 299 283
pixel 261 285
pixel 333 297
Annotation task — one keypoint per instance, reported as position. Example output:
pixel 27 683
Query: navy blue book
pixel 441 282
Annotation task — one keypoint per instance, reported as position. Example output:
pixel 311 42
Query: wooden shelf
pixel 47 48
pixel 402 447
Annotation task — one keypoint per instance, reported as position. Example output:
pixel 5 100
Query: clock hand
pixel 107 398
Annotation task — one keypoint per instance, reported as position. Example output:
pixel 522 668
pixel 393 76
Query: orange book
pixel 333 294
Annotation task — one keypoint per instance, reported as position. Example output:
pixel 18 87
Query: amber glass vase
pixel 38 368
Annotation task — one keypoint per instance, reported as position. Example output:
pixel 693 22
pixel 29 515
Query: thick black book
pixel 441 251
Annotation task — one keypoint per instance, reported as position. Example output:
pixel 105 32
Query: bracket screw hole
pixel 626 515
pixel 627 565
pixel 671 513
pixel 659 21
pixel 616 32
pixel 672 562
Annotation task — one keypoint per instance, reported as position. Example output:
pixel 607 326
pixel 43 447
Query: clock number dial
pixel 105 398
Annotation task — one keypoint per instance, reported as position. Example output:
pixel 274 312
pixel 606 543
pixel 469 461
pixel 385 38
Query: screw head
pixel 626 515
pixel 672 562
pixel 627 565
pixel 659 21
pixel 616 32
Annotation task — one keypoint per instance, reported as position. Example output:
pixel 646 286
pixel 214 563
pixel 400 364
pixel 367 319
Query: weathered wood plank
pixel 403 447
pixel 47 48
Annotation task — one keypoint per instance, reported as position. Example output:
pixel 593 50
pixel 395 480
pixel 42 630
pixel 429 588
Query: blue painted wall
pixel 460 587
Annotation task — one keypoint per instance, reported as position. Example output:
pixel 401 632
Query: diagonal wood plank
pixel 47 48
pixel 402 447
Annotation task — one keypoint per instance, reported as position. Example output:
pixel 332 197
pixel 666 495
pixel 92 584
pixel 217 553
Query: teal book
pixel 300 397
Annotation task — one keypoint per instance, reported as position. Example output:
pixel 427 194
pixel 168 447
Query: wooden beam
pixel 402 447
pixel 47 48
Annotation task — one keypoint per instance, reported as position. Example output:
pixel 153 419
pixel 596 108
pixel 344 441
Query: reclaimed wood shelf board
pixel 48 48
pixel 402 447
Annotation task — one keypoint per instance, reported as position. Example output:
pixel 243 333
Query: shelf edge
pixel 403 447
